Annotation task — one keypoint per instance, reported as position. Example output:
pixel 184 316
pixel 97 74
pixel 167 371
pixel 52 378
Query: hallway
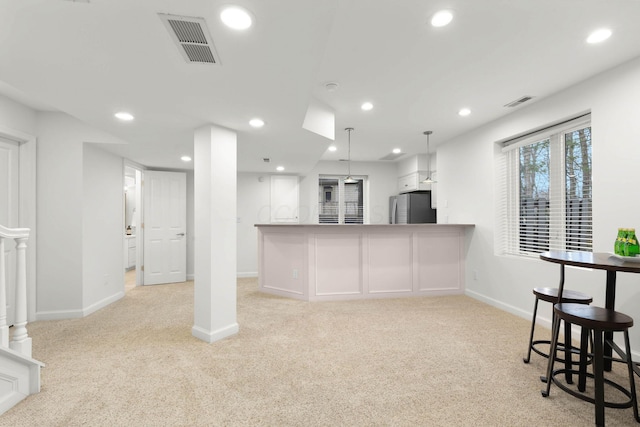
pixel 129 280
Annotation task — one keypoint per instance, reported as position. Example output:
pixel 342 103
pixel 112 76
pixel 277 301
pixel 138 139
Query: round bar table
pixel 597 261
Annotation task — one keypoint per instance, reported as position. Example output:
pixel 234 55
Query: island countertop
pixel 316 262
pixel 365 225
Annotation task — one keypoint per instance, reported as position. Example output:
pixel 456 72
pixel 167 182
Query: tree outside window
pixel 553 197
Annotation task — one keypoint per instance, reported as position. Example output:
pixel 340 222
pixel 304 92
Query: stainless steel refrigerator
pixel 411 208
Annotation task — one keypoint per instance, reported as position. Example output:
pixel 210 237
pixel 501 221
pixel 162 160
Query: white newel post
pixel 4 328
pixel 21 341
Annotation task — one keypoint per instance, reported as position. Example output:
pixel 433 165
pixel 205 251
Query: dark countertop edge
pixel 366 225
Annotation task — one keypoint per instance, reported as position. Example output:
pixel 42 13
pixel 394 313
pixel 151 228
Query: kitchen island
pixel 317 262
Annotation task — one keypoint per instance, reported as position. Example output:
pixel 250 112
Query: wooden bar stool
pixel 597 320
pixel 551 295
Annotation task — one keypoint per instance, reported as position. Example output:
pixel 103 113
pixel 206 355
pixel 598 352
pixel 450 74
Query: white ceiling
pixel 92 59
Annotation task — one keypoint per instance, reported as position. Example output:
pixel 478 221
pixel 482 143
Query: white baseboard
pixel 247 274
pixel 213 336
pixel 239 275
pixel 102 303
pixel 506 307
pixel 77 314
pixel 544 321
pixel 59 315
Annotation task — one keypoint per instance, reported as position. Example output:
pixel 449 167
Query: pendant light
pixel 349 179
pixel 428 179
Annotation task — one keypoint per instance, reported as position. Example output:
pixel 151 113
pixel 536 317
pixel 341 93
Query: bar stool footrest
pixel 582 396
pixel 574 350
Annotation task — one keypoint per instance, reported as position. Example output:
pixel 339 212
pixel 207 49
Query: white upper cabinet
pixel 413 170
pixel 413 182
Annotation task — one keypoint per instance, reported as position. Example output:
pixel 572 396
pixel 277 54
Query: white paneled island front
pixel 316 262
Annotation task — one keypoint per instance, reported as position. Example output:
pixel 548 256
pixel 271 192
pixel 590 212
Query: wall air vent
pixel 519 101
pixel 192 37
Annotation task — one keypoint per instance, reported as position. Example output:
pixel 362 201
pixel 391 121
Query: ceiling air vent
pixel 192 37
pixel 519 101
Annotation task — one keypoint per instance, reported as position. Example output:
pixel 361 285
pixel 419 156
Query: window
pixel 340 202
pixel 546 194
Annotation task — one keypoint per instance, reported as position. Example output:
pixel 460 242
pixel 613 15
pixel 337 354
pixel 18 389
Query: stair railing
pixel 20 340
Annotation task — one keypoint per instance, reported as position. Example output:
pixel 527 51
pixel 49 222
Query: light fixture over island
pixel 322 262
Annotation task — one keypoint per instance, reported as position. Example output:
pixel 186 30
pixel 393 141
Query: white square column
pixel 215 171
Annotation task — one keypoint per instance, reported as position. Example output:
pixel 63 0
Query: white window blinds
pixel 545 192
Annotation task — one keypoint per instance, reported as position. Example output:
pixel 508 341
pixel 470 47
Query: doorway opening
pixel 132 228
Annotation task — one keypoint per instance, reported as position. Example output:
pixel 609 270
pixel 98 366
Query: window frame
pixel 340 196
pixel 509 235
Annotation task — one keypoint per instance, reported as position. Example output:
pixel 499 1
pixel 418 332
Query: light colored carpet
pixel 441 361
pixel 129 280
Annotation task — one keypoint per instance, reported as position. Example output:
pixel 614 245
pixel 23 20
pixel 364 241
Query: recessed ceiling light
pixel 256 123
pixel 464 112
pixel 185 158
pixel 442 18
pixel 332 148
pixel 123 115
pixel 599 35
pixel 280 168
pixel 397 151
pixel 237 18
pixel 366 106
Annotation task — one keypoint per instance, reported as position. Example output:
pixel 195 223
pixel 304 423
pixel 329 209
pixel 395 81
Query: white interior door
pixel 9 213
pixel 284 198
pixel 165 225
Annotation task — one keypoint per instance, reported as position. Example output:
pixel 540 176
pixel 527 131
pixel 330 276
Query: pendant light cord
pixel 428 157
pixel 349 151
pixel 428 180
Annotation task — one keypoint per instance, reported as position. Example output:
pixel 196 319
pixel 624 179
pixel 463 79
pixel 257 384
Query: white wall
pixel 60 213
pixel 253 208
pixel 190 227
pixel 60 192
pixel 102 229
pixel 507 282
pixel 16 116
